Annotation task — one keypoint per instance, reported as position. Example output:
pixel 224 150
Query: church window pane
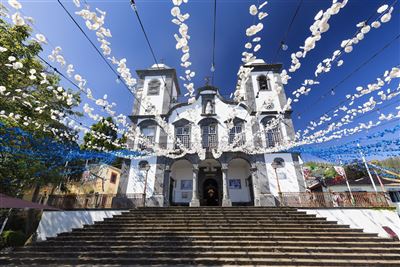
pixel 237 130
pixel 183 135
pixel 154 87
pixel 273 137
pixel 209 136
pixel 149 133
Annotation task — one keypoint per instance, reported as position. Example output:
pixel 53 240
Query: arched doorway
pixel 211 192
pixel 240 182
pixel 181 183
pixel 210 183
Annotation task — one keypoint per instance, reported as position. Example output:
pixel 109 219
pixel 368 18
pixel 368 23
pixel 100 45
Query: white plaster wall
pixel 287 175
pixel 136 178
pixel 156 100
pixel 238 169
pixel 264 95
pixel 181 170
pixel 371 221
pixel 55 222
pixel 223 111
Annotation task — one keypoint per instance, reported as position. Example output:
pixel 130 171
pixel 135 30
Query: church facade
pixel 228 178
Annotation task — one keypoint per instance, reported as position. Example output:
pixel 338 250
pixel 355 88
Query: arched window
pixel 148 129
pixel 154 87
pixel 263 83
pixel 237 131
pixel 143 165
pixel 279 162
pixel 273 136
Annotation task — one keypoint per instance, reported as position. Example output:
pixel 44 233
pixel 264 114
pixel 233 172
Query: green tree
pixel 23 91
pixel 106 127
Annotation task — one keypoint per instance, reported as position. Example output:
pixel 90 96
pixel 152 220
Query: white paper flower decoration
pixel 175 11
pixel 253 10
pixel 348 49
pixel 382 9
pixel 365 29
pixel 15 4
pixel 77 3
pixel 376 24
pixel 17 19
pixel 386 18
pixel 41 38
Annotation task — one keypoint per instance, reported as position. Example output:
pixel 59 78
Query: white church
pixel 230 178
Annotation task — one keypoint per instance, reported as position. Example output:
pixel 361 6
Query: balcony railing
pixel 335 200
pixel 296 199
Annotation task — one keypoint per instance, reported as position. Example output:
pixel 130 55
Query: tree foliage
pixel 24 93
pixel 105 127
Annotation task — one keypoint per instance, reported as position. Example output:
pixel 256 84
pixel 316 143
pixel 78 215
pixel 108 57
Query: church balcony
pixel 287 199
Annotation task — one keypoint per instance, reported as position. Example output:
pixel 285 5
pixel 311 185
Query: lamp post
pixel 146 168
pixel 276 165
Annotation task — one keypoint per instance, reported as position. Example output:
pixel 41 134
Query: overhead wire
pixel 95 47
pixel 214 43
pixel 347 77
pixel 288 30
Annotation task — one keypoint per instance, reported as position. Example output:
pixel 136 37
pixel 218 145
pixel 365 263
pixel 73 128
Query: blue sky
pixel 232 20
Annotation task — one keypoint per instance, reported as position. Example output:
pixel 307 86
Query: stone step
pixel 311 243
pixel 218 230
pixel 269 213
pixel 208 208
pixel 223 237
pixel 211 234
pixel 172 227
pixel 216 254
pixel 208 261
pixel 206 247
pixel 212 214
pixel 214 218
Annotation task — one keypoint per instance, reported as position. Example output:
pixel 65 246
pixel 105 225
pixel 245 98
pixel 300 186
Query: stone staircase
pixel 211 236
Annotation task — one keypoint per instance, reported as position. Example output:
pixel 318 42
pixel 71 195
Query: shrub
pixel 13 238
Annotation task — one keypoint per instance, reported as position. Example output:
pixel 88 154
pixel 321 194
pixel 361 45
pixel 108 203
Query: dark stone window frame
pixel 264 83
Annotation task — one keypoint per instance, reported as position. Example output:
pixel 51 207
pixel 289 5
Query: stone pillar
pixel 256 189
pixel 226 201
pixel 167 181
pixel 195 202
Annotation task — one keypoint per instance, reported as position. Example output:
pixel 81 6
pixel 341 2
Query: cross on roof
pixel 207 80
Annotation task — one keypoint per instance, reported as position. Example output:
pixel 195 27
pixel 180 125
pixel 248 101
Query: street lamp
pixel 275 165
pixel 146 168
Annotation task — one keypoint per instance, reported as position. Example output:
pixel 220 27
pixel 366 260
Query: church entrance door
pixel 210 192
pixel 210 183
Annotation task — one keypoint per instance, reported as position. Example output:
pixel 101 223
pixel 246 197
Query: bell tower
pixel 159 85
